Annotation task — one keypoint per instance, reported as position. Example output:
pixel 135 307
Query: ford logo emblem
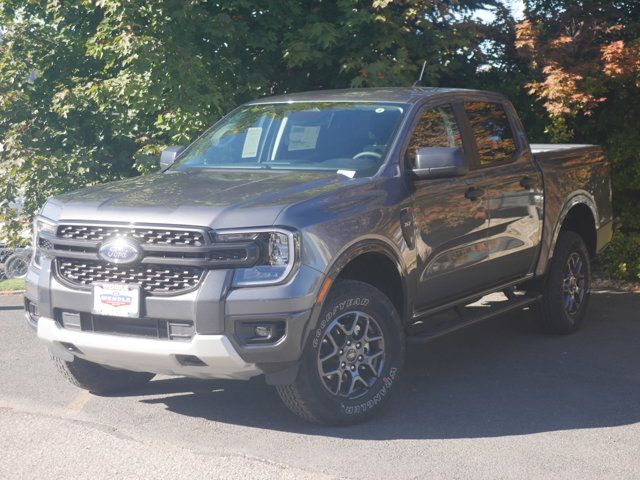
pixel 120 250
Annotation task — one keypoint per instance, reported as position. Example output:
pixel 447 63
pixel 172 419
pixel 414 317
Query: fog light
pixel 263 331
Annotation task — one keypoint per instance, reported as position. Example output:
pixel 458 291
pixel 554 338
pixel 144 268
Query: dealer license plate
pixel 116 299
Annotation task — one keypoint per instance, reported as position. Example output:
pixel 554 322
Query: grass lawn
pixel 14 284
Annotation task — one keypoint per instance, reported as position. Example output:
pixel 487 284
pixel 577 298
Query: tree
pixel 92 91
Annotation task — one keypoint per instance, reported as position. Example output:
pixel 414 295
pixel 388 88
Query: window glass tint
pixel 492 132
pixel 437 128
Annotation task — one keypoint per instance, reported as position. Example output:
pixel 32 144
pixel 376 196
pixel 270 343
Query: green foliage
pixel 14 284
pixel 621 260
pixel 92 91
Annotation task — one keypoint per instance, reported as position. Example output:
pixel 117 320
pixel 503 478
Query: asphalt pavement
pixel 497 400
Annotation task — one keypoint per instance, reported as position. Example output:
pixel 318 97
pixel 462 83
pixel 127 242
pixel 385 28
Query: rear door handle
pixel 474 193
pixel 527 183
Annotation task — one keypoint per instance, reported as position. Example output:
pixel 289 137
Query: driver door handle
pixel 474 193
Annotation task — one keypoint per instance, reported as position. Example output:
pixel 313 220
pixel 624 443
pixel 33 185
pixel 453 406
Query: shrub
pixel 621 259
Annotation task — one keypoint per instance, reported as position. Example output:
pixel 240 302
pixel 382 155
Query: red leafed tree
pixel 584 51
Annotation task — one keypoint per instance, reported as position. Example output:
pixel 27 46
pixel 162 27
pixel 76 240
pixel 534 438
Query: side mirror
pixel 438 162
pixel 169 155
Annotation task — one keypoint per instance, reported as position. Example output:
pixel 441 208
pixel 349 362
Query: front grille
pixel 152 279
pixel 150 236
pixel 189 247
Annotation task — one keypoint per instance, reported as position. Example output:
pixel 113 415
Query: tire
pixel 17 266
pixel 98 379
pixel 360 338
pixel 566 287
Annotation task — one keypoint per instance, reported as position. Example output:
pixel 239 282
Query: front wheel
pixel 352 359
pixel 567 286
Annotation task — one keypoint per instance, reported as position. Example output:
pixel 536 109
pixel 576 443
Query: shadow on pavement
pixel 495 379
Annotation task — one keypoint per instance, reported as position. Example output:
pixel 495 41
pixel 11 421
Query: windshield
pixel 349 137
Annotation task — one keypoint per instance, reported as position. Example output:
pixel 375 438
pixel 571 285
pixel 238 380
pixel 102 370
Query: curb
pixel 617 285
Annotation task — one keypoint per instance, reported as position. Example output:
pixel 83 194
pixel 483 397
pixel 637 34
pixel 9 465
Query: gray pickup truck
pixel 309 237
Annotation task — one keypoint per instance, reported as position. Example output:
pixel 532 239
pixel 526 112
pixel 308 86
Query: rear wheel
pixel 352 359
pixel 567 286
pixel 98 379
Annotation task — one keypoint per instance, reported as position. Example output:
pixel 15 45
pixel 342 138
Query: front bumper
pixel 215 310
pixel 219 357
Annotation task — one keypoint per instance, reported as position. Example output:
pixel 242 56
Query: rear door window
pixel 492 132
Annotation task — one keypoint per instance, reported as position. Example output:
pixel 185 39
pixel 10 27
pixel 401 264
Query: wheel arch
pixel 579 215
pixel 376 262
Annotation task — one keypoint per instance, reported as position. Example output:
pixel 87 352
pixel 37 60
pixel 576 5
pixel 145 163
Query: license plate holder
pixel 116 300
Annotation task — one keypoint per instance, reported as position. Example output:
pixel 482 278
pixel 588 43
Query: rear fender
pixel 578 198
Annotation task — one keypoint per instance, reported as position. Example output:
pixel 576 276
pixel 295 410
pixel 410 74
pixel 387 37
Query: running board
pixel 423 332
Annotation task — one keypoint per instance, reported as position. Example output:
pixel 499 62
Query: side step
pixel 463 316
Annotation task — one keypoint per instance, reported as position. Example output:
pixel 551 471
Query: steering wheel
pixel 367 154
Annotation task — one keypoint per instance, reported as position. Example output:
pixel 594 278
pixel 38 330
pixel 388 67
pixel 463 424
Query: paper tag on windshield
pixel 303 138
pixel 251 142
pixel 347 173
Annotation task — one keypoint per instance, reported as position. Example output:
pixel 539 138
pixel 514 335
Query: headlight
pixel 41 225
pixel 277 257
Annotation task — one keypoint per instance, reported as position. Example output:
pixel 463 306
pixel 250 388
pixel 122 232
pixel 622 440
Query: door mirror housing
pixel 439 162
pixel 169 155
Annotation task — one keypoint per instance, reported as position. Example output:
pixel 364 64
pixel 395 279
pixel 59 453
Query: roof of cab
pixel 390 94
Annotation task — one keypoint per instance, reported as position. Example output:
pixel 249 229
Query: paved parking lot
pixel 498 400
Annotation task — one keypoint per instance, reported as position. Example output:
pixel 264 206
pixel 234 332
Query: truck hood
pixel 198 197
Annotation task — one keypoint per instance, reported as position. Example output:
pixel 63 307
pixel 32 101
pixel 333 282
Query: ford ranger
pixel 309 237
